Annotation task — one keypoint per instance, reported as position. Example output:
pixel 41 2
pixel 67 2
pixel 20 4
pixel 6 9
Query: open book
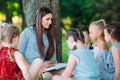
pixel 55 67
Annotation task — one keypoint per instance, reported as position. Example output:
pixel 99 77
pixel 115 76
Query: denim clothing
pixel 96 51
pixel 86 68
pixel 101 61
pixel 28 45
pixel 109 66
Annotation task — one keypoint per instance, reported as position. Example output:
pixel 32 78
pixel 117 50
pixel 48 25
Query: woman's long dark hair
pixel 39 33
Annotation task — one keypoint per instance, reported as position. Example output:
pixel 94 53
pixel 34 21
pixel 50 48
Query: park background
pixel 72 14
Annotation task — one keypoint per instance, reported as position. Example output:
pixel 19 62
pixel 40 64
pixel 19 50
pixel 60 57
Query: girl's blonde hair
pixel 100 24
pixel 8 32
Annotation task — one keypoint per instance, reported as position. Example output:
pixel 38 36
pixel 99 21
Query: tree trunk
pixel 30 7
pixel 23 16
pixel 54 4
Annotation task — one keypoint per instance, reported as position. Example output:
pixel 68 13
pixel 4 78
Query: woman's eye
pixel 47 19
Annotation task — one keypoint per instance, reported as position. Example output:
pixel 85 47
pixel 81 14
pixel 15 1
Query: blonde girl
pixel 96 30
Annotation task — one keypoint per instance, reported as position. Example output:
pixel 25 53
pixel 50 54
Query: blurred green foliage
pixel 83 12
pixel 64 51
pixel 9 9
pixel 74 13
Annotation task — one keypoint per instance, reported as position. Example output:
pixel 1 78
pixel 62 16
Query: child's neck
pixel 4 44
pixel 98 41
pixel 114 41
pixel 80 45
pixel 87 44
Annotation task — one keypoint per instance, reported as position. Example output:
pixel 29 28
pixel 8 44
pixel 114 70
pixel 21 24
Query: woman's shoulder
pixel 28 30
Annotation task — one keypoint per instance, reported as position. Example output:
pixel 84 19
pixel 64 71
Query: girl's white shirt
pixel 96 51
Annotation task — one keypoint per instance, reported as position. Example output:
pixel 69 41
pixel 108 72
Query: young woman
pixel 38 40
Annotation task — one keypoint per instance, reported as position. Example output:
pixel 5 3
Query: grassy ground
pixel 64 51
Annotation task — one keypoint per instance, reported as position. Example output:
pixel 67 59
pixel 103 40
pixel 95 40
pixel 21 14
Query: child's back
pixel 8 68
pixel 86 68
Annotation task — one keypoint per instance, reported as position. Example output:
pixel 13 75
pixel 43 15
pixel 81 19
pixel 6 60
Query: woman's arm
pixel 23 65
pixel 116 57
pixel 53 58
pixel 48 63
pixel 70 66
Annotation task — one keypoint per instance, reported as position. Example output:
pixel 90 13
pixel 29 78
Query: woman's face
pixel 47 20
pixel 70 42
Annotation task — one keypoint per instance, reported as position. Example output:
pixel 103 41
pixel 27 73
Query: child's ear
pixel 74 43
pixel 15 38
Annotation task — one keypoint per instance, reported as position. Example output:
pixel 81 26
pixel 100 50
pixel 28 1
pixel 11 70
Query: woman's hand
pixel 47 64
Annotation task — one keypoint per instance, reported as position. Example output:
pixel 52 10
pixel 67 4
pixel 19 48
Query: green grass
pixel 42 78
pixel 64 51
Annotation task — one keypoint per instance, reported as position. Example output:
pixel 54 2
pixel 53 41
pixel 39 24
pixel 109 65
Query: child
pixel 112 35
pixel 88 43
pixel 97 35
pixel 100 46
pixel 13 66
pixel 81 59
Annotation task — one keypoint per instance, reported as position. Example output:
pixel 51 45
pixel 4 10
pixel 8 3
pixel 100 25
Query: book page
pixel 56 67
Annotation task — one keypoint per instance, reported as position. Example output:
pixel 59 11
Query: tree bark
pixel 30 7
pixel 54 4
pixel 23 16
